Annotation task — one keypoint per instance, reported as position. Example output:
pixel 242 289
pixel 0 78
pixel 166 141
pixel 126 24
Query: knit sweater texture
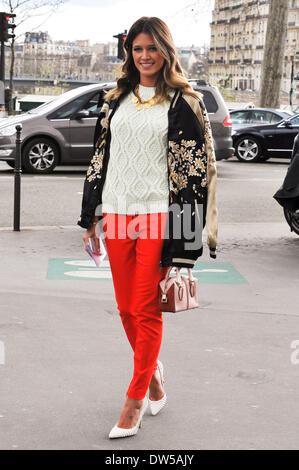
pixel 137 174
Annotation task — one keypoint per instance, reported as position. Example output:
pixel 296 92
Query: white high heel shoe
pixel 123 432
pixel 157 405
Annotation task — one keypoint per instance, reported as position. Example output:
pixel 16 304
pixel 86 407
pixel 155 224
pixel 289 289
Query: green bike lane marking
pixel 209 272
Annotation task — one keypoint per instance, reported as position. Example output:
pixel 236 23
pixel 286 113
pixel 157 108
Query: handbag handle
pixel 178 274
pixel 191 277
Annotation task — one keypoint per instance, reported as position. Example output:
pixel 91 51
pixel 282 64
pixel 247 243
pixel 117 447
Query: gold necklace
pixel 139 103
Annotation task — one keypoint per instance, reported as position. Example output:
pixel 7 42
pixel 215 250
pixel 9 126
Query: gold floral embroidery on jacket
pixel 106 110
pixel 96 164
pixel 186 159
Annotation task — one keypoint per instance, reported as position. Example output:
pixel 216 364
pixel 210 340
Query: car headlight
pixel 8 131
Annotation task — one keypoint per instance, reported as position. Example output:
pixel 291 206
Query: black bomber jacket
pixel 191 174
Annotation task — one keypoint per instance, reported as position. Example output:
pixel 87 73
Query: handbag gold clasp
pixel 164 298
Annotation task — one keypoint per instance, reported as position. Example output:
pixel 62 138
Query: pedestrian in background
pixel 154 149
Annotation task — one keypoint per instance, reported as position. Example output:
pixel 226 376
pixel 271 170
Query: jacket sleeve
pixel 212 212
pixel 90 199
pixel 97 130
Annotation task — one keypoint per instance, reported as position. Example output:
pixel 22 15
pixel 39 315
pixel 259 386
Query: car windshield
pixel 61 99
pixel 41 107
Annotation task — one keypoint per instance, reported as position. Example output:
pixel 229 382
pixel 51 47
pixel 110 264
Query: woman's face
pixel 147 59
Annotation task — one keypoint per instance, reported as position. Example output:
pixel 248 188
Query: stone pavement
pixel 65 362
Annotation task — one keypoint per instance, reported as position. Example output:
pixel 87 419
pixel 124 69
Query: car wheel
pixel 40 155
pixel 292 219
pixel 248 149
pixel 10 163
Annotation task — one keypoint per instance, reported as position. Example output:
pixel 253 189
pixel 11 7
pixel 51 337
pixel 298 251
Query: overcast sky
pixel 99 20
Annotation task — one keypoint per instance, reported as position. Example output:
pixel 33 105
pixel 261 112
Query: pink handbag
pixel 178 292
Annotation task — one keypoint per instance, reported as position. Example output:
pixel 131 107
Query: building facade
pixel 238 36
pixel 40 57
pixel 193 61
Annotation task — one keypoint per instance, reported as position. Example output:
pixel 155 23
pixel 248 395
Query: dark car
pixel 61 131
pixel 257 116
pixel 219 118
pixel 257 143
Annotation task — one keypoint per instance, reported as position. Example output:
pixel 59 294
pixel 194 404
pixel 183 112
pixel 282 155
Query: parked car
pixel 219 117
pixel 61 131
pixel 257 143
pixel 256 116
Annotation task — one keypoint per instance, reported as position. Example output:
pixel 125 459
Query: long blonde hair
pixel 171 75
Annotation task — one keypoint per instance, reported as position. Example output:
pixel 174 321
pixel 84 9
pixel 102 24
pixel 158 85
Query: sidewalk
pixel 229 378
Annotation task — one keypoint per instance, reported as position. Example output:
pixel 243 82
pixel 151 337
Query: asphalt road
pixel 244 194
pixel 231 365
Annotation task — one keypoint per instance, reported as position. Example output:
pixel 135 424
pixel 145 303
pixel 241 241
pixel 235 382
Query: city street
pixel 230 366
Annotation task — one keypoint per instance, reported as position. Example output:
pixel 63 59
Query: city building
pixel 41 57
pixel 193 61
pixel 238 35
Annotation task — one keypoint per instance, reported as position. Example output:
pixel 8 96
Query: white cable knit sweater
pixel 137 174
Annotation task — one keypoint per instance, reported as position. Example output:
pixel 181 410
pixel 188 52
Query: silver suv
pixel 62 131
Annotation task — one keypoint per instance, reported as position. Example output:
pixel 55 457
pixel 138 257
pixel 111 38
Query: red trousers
pixel 134 244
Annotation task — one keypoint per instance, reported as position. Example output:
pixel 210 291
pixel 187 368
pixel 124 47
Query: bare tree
pixel 273 54
pixel 24 10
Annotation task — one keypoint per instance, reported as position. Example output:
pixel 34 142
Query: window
pixel 239 117
pixel 275 118
pixel 209 101
pixel 264 117
pixel 66 111
pixel 92 104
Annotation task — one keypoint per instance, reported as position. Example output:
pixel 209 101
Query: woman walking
pixel 154 151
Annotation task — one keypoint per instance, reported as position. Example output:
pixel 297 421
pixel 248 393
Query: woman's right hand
pixel 91 233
